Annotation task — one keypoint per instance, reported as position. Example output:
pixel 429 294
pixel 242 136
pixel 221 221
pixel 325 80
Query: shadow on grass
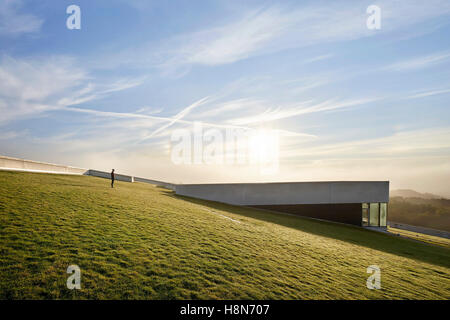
pixel 352 234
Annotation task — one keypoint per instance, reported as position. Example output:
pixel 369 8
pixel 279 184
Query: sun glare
pixel 263 146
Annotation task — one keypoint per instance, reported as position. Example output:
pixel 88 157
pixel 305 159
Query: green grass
pixel 439 241
pixel 138 241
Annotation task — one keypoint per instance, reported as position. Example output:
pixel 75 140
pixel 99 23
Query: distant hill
pixel 408 193
pixel 431 213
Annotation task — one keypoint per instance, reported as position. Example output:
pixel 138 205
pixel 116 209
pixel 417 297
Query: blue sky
pixel 349 103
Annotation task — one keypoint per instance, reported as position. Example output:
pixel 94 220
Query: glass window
pixel 374 215
pixel 365 214
pixel 383 214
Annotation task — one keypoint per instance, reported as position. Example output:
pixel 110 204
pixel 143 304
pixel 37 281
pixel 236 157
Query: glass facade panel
pixel 383 214
pixel 365 214
pixel 374 215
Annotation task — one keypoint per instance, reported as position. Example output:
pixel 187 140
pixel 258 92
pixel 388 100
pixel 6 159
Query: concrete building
pixel 361 203
pixel 15 164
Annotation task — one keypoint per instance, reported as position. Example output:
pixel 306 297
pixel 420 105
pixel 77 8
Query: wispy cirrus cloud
pixel 404 144
pixel 319 58
pixel 180 115
pixel 92 91
pixel 299 109
pixel 223 110
pixel 13 22
pixel 29 87
pixel 12 134
pixel 276 28
pixel 253 32
pixel 428 93
pixel 419 62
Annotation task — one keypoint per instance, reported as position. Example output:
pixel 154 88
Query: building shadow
pixel 352 234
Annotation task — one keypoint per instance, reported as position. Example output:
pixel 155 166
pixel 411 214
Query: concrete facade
pixel 166 185
pixel 15 164
pixel 289 193
pixel 339 201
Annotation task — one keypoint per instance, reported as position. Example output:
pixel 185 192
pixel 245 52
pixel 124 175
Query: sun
pixel 263 146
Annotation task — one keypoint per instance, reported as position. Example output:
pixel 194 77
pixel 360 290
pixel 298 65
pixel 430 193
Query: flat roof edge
pixel 281 182
pixel 41 162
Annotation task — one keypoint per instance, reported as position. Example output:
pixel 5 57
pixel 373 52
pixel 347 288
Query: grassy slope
pixel 438 241
pixel 140 241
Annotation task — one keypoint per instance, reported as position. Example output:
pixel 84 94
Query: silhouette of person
pixel 112 178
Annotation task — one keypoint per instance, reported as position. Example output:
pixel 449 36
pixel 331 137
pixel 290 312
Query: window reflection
pixel 383 214
pixel 365 214
pixel 374 215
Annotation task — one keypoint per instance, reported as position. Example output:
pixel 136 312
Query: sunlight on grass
pixel 421 237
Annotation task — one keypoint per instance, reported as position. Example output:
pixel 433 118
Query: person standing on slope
pixel 112 178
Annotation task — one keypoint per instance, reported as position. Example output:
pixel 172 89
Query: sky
pixel 157 88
